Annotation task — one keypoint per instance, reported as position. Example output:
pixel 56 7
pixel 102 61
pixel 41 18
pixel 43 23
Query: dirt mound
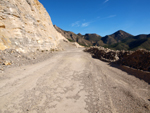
pixel 139 59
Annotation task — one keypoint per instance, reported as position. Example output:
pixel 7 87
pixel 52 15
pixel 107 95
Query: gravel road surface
pixel 72 81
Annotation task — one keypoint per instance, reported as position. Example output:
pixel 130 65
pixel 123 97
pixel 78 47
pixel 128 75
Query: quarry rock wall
pixel 26 26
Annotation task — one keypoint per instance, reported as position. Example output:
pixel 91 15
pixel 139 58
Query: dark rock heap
pixel 139 59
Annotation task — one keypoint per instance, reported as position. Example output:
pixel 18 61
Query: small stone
pixel 6 63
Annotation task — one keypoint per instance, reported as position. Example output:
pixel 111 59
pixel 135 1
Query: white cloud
pixel 106 1
pixel 76 24
pixel 85 24
pixel 111 16
pixel 107 17
pixel 80 23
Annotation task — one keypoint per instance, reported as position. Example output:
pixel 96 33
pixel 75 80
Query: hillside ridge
pixel 120 40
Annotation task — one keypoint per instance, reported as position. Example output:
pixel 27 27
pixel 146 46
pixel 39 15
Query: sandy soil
pixel 72 81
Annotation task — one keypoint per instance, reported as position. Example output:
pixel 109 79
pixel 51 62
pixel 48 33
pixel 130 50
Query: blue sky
pixel 102 17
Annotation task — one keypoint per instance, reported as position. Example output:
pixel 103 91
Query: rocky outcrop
pixel 139 59
pixel 26 26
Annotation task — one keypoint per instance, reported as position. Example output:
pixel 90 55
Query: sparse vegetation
pixel 71 40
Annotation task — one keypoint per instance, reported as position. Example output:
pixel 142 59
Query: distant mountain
pixel 119 40
pixel 132 43
pixel 116 37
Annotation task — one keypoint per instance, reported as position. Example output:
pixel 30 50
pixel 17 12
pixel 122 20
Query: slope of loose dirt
pixel 72 82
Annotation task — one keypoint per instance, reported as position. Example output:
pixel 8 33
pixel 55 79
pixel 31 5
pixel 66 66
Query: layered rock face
pixel 26 26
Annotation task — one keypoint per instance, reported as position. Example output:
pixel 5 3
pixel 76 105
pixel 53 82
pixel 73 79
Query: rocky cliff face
pixel 26 26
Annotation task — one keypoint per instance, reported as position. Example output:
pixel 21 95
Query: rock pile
pixel 139 59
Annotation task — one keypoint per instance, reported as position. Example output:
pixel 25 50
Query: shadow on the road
pixel 143 75
pixel 137 73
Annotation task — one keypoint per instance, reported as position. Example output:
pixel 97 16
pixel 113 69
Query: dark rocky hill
pixel 116 37
pixel 132 43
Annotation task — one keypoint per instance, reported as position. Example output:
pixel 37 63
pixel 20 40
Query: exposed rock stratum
pixel 26 26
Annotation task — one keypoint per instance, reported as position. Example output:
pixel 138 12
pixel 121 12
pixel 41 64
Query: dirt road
pixel 72 82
